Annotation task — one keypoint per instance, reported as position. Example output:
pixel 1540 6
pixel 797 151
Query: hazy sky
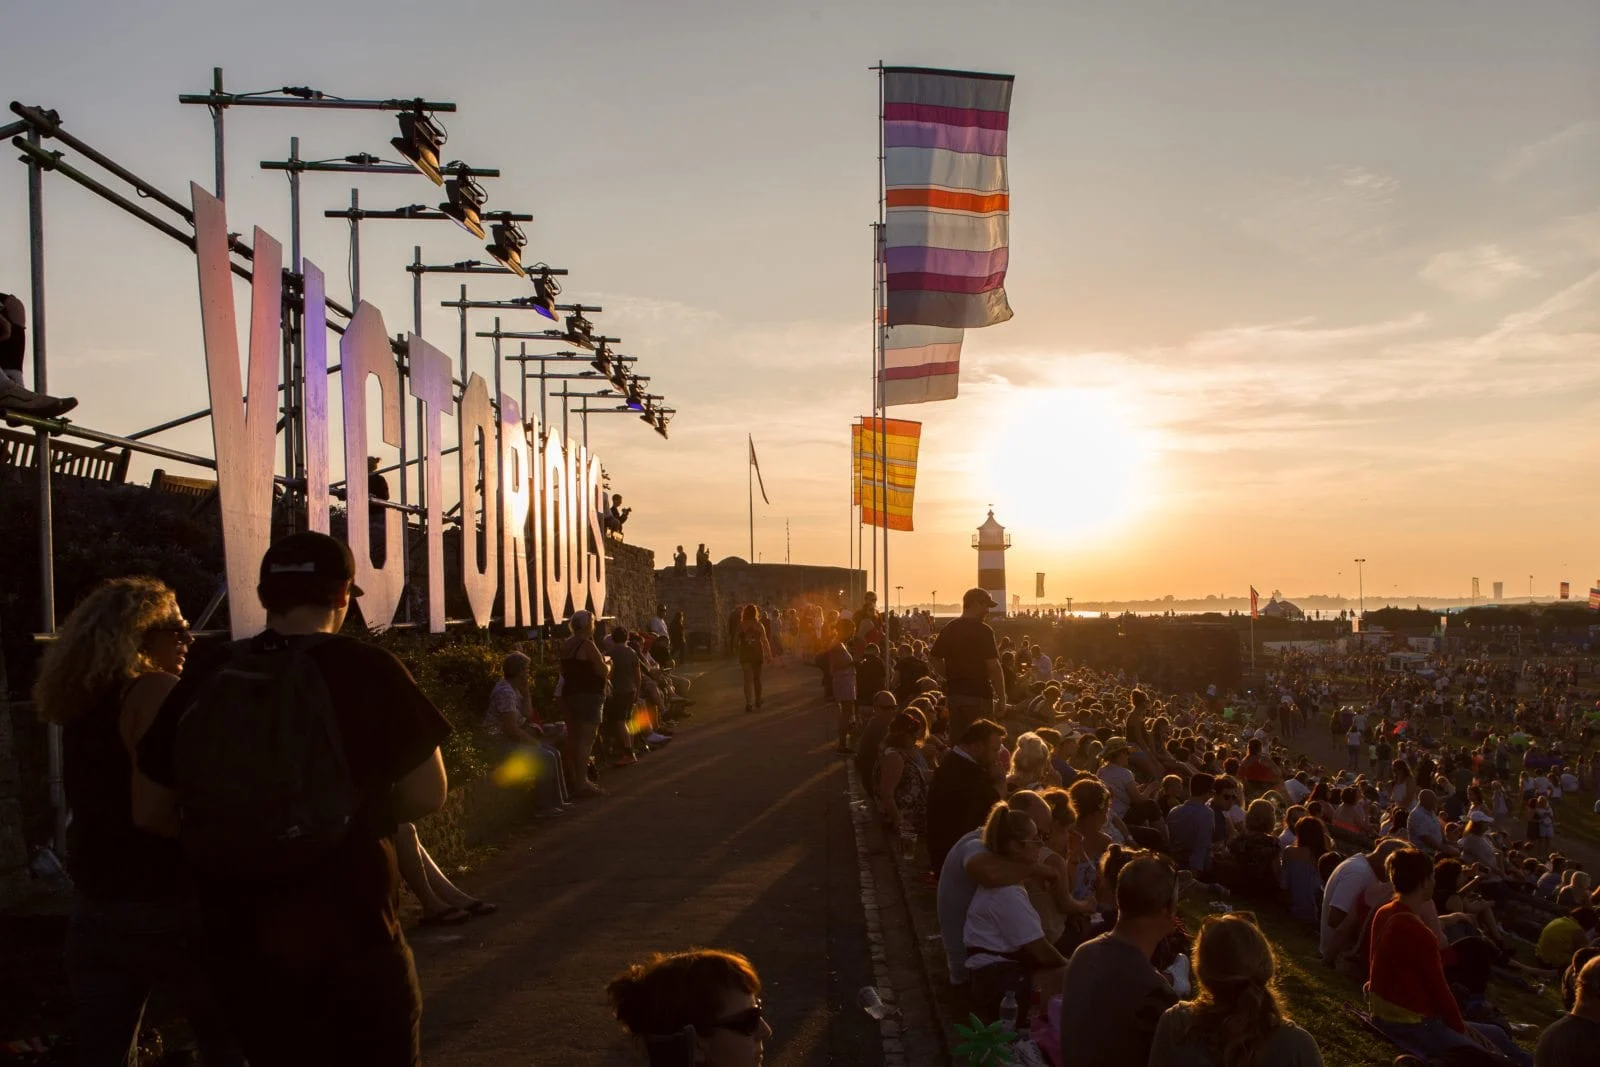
pixel 1293 283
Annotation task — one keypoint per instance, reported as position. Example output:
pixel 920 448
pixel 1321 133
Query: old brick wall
pixel 630 584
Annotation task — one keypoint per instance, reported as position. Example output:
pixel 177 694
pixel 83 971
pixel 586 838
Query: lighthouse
pixel 991 541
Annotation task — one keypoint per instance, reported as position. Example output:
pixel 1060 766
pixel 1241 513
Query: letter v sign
pixel 241 432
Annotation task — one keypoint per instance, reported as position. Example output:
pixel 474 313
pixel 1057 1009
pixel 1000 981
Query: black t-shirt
pixel 966 645
pixel 348 904
pixel 1568 1042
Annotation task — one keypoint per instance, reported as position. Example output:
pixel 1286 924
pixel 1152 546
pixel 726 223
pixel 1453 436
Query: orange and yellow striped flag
pixel 884 461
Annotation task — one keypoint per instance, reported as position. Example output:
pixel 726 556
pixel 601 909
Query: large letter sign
pixel 241 434
pixel 532 505
pixel 480 473
pixel 430 383
pixel 364 351
pixel 516 477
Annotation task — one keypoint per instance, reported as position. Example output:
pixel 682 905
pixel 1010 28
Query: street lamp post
pixel 934 605
pixel 1361 594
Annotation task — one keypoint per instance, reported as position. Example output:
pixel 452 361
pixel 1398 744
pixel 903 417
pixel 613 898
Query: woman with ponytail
pixel 1235 1020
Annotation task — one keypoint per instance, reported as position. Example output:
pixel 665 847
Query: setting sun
pixel 1068 466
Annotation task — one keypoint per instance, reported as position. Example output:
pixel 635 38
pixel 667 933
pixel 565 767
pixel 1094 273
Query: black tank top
pixel 109 857
pixel 582 676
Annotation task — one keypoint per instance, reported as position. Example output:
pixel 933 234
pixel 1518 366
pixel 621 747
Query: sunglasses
pixel 747 1022
pixel 180 630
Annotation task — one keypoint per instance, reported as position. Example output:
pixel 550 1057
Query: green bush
pixel 458 672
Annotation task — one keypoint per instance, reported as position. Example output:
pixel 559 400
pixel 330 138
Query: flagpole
pixel 750 488
pixel 880 303
pixel 880 325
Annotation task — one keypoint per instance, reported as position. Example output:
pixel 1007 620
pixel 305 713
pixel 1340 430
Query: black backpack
pixel 264 791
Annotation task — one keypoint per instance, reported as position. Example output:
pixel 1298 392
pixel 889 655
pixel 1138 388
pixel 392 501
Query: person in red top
pixel 1407 993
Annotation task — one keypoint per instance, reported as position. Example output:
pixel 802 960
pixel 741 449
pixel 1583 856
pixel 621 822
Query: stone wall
pixel 706 601
pixel 630 584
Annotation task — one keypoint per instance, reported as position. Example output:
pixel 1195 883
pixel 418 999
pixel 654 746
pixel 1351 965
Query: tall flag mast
pixel 940 251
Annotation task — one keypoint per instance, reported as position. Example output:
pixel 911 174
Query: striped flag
pixel 920 364
pixel 884 455
pixel 1566 590
pixel 1594 598
pixel 1255 600
pixel 948 202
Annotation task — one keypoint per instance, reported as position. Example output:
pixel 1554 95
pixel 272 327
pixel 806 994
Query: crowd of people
pixel 1064 811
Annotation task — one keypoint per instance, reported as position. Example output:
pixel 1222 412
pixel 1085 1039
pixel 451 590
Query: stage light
pixel 602 360
pixel 466 201
pixel 661 424
pixel 507 247
pixel 419 142
pixel 580 331
pixel 545 291
pixel 636 400
pixel 619 376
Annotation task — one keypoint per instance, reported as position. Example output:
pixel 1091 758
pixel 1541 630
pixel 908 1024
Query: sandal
pixel 447 917
pixel 480 907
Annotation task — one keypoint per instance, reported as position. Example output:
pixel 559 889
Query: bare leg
pixel 409 856
pixel 749 685
pixel 847 714
pixel 438 881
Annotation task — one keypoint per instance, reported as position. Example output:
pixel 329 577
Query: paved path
pixel 737 836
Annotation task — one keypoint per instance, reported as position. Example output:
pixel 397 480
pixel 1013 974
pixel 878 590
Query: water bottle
pixel 1008 1011
pixel 873 1004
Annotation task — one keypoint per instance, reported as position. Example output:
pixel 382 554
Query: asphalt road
pixel 737 836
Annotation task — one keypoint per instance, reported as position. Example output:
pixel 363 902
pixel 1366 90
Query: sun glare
pixel 1067 466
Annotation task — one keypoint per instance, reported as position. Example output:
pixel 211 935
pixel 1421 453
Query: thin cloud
pixel 1476 273
pixel 1325 217
pixel 1577 144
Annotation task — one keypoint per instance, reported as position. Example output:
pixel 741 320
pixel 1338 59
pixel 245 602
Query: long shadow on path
pixel 735 836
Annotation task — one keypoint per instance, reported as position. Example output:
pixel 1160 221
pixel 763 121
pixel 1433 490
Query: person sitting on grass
pixel 1007 950
pixel 1571 1041
pixel 1407 993
pixel 1563 936
pixel 1235 1019
pixel 1112 995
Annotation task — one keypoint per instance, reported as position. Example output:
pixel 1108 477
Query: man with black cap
pixel 308 960
pixel 966 654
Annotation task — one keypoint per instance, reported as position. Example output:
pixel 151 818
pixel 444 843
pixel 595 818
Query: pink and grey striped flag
pixel 947 220
pixel 920 363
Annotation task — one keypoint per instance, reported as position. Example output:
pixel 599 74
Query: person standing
pixel 966 655
pixel 840 669
pixel 626 678
pixel 677 635
pixel 103 679
pixel 753 649
pixel 302 933
pixel 583 690
pixel 964 787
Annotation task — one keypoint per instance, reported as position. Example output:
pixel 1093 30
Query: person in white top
pixel 658 622
pixel 1007 950
pixel 1044 670
pixel 1423 826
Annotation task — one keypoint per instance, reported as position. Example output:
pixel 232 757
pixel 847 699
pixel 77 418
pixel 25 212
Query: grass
pixel 1316 996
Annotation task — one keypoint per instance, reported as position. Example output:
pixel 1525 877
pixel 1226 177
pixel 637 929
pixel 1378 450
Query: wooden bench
pixel 17 450
pixel 199 488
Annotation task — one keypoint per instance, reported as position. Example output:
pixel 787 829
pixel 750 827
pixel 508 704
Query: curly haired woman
pixel 102 681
